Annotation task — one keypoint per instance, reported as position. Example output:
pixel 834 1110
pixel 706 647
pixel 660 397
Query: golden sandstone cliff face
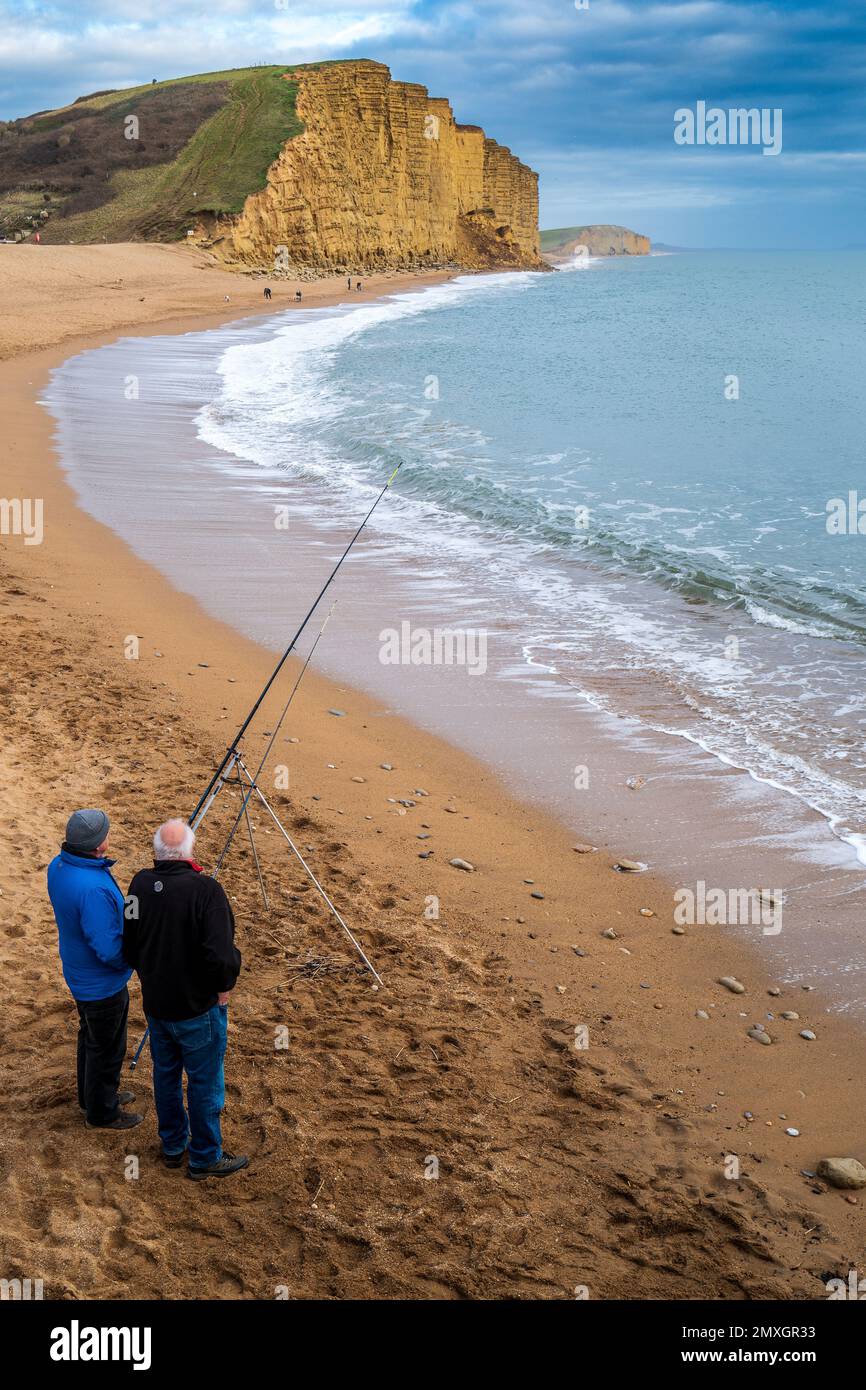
pixel 382 176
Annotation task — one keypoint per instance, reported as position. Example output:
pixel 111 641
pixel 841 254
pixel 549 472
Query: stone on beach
pixel 462 864
pixel 732 983
pixel 842 1172
pixel 759 1035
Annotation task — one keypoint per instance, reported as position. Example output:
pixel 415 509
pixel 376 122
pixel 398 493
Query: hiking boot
pixel 173 1160
pixel 127 1119
pixel 123 1098
pixel 229 1163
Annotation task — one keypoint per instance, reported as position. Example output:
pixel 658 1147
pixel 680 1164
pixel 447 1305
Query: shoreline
pixel 774 835
pixel 651 1053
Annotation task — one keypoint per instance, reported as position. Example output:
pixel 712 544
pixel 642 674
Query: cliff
pixel 600 240
pixel 382 176
pixel 307 168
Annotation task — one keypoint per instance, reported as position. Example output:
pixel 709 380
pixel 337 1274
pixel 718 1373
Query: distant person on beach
pixel 182 945
pixel 89 910
pixel 298 296
pixel 358 286
pixel 267 291
pixel 349 282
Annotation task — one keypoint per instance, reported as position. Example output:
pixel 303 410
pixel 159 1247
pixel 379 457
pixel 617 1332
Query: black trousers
pixel 101 1050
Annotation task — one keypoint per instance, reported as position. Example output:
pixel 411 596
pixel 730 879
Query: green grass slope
pixel 205 143
pixel 554 237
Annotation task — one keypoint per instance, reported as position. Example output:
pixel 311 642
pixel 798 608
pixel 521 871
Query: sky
pixel 585 91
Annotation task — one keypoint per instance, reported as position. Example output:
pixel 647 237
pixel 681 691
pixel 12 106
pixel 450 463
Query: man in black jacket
pixel 179 936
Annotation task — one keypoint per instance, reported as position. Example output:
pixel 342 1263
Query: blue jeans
pixel 196 1046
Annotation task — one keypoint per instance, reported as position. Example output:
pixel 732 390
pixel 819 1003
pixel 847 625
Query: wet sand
pixel 558 1166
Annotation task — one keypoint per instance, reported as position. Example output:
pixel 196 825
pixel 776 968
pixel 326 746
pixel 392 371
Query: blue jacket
pixel 88 907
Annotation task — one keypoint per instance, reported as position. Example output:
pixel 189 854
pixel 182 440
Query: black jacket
pixel 182 942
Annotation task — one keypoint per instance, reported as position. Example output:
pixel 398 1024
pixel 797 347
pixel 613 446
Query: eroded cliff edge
pixel 382 176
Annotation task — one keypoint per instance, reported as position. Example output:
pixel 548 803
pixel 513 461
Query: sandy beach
pixel 559 1167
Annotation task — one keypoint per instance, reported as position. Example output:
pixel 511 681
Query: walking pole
pixel 134 1063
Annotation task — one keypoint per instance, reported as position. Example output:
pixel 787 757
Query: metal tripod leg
pixel 254 787
pixel 256 857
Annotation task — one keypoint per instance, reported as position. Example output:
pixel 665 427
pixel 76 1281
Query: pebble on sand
pixel 759 1035
pixel 610 934
pixel 629 866
pixel 337 713
pixel 462 864
pixel 842 1172
pixel 584 849
pixel 808 1035
pixel 732 983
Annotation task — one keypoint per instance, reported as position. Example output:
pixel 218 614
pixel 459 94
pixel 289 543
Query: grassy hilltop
pixel 205 143
pixel 600 239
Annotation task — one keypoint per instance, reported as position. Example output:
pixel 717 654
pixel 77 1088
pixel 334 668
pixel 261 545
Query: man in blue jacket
pixel 89 911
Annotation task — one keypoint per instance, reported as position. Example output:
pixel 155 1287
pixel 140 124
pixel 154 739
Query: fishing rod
pixel 230 757
pixel 245 812
pixel 271 742
pixel 252 787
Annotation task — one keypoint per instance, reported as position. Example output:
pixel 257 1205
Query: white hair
pixel 182 850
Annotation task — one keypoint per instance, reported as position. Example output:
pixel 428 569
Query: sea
pixel 623 560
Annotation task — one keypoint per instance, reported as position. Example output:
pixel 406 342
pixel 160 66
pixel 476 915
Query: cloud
pixel 587 96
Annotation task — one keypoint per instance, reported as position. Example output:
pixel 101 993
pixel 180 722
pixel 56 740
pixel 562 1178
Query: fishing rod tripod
pixel 237 774
pixel 248 786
